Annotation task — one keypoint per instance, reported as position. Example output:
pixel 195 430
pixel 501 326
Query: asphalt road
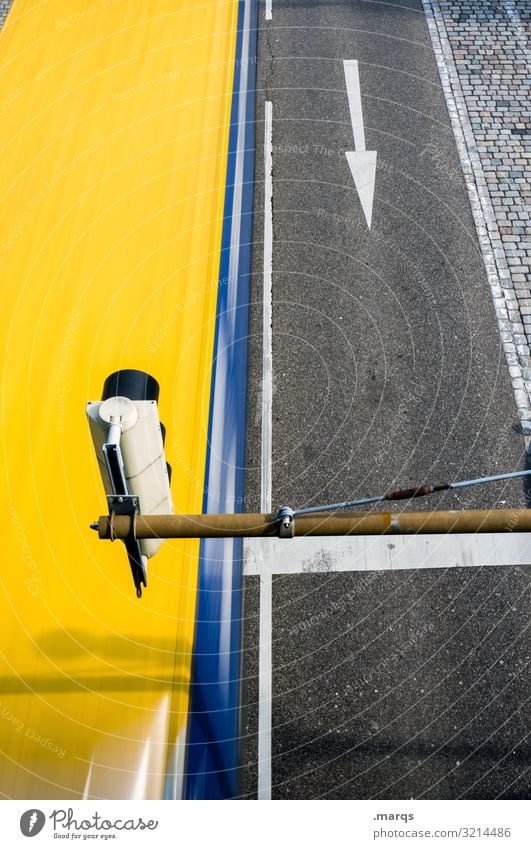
pixel 387 370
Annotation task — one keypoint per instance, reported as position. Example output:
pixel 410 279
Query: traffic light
pixel 128 439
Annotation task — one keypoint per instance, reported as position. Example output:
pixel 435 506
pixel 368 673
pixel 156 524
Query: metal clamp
pixel 123 505
pixel 286 526
pixel 129 505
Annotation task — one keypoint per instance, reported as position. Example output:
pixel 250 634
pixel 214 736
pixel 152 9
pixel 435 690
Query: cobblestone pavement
pixel 5 5
pixel 483 52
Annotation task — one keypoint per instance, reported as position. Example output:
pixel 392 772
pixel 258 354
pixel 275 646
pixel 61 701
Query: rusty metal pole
pixel 321 524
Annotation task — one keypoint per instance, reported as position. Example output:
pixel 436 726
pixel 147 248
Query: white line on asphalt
pixel 266 585
pixel 265 686
pixel 352 77
pixel 319 555
pixel 269 10
pixel 267 359
pixel 362 162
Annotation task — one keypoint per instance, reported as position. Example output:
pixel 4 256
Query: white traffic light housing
pixel 128 439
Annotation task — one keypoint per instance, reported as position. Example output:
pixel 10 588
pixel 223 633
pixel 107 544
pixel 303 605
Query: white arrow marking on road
pixel 362 162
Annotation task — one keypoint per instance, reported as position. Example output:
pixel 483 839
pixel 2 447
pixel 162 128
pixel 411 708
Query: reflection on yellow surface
pixel 113 140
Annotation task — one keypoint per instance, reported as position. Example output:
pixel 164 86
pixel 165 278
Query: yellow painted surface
pixel 113 138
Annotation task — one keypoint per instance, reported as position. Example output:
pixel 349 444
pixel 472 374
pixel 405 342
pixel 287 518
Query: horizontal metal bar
pixel 322 524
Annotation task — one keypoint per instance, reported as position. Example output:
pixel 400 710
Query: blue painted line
pixel 213 747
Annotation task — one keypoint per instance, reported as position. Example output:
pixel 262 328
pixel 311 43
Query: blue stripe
pixel 213 749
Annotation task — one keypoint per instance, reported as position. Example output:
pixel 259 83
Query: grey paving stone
pixel 485 45
pixel 5 6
